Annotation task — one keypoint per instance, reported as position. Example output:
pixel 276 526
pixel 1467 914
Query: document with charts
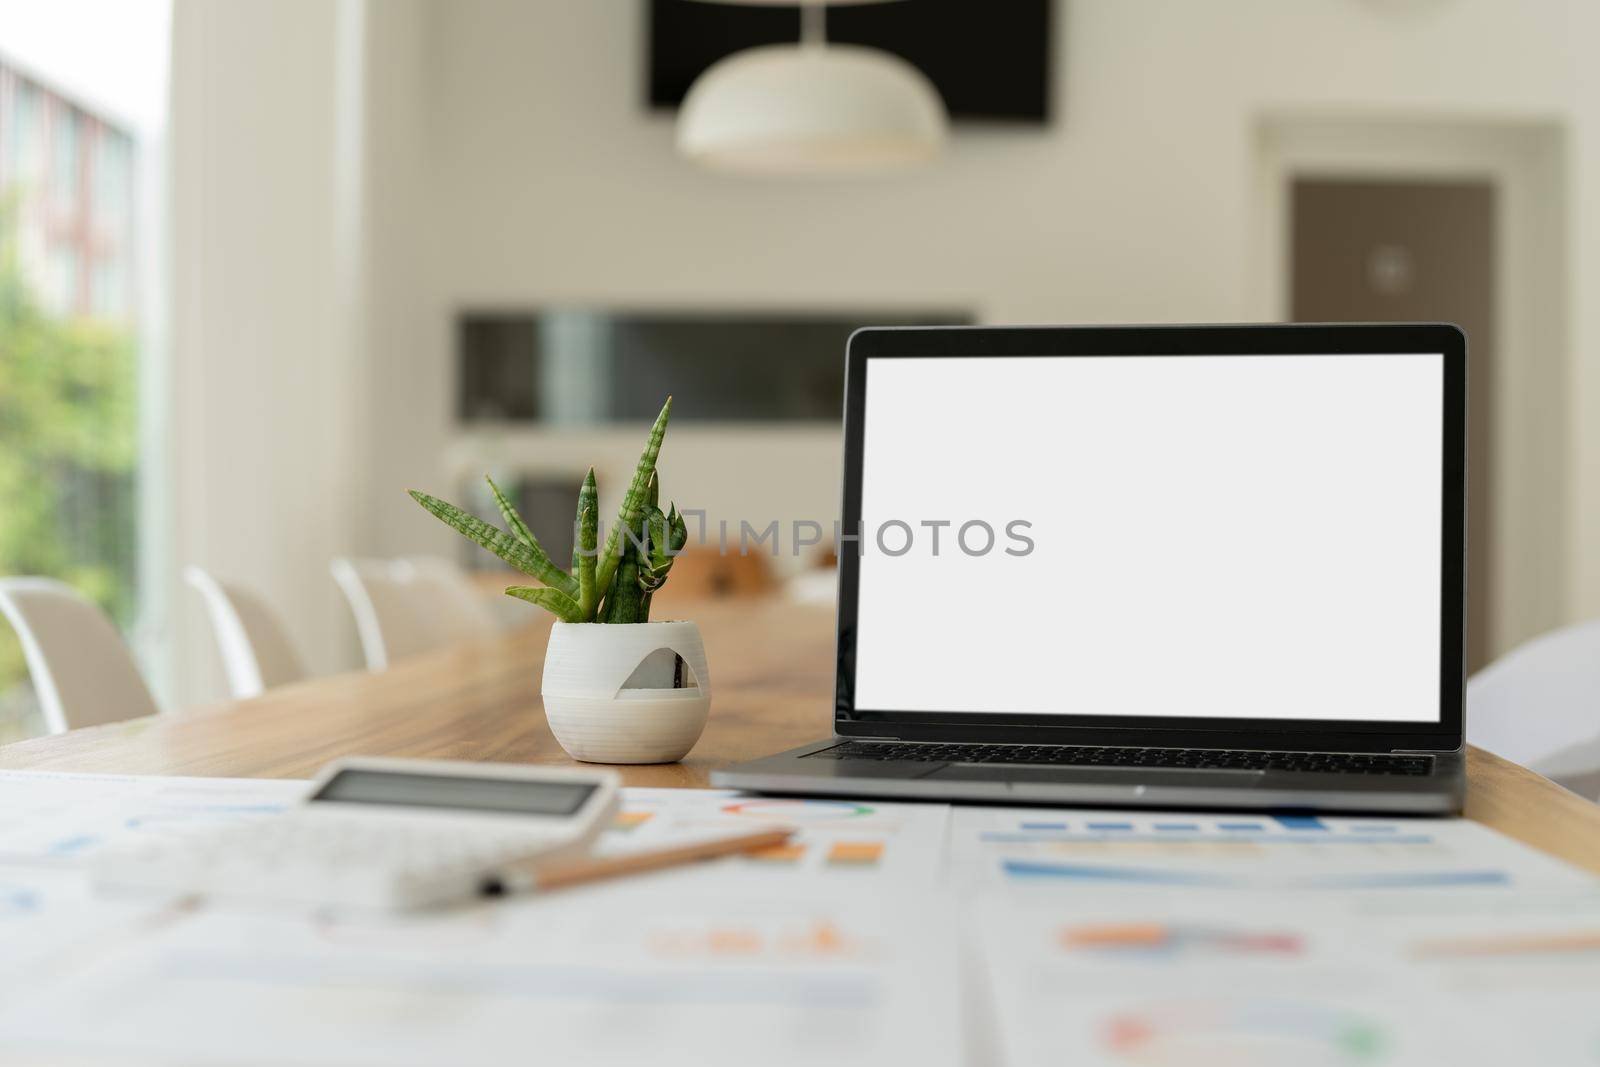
pixel 56 820
pixel 1083 849
pixel 836 840
pixel 52 824
pixel 51 923
pixel 1453 979
pixel 630 972
pixel 883 933
pixel 743 960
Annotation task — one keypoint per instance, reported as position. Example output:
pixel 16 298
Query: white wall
pixel 511 162
pixel 266 411
pixel 552 184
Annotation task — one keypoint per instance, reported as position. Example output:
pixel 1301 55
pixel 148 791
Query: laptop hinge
pixel 1070 744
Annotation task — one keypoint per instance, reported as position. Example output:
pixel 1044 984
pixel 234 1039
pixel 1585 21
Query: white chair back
pixel 405 607
pixel 256 651
pixel 81 669
pixel 1539 705
pixel 466 608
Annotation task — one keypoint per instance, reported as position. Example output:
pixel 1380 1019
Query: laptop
pixel 1174 566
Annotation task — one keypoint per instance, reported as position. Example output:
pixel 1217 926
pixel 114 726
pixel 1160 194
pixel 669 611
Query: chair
pixel 405 607
pixel 81 669
pixel 480 593
pixel 1539 705
pixel 256 652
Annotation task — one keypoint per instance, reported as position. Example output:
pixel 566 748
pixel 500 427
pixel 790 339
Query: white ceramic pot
pixel 626 693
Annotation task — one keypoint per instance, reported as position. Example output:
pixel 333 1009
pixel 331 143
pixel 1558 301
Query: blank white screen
pixel 1250 537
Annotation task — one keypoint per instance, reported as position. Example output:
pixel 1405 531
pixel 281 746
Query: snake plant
pixel 610 584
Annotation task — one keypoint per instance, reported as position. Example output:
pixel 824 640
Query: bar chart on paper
pixel 622 973
pixel 838 839
pixel 1110 849
pixel 1250 979
pixel 59 820
pixel 654 963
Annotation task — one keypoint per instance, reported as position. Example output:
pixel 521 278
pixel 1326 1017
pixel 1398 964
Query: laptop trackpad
pixel 1161 777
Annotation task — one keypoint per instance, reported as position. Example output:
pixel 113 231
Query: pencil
pixel 594 870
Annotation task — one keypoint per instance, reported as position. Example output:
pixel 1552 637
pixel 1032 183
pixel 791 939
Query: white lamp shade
pixel 811 109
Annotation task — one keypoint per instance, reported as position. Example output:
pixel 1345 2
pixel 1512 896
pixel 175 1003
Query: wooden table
pixel 772 672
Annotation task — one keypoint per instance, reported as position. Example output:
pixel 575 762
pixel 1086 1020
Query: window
pixel 69 355
pixel 24 144
pixel 113 184
pixel 65 144
pixel 108 293
pixel 61 286
pixel 67 460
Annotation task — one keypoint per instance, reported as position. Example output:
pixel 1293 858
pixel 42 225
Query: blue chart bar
pixel 1411 880
pixel 1033 870
pixel 1300 822
pixel 1079 872
pixel 1178 837
pixel 1178 827
pixel 1044 826
pixel 1240 827
pixel 73 844
pixel 1110 826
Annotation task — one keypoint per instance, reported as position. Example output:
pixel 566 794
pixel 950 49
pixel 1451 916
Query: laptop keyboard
pixel 1089 756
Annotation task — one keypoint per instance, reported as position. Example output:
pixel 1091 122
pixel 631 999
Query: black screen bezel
pixel 1311 339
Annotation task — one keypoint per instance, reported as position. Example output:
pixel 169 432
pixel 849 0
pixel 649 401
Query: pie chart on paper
pixel 798 810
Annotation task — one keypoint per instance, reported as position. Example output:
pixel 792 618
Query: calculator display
pixel 463 793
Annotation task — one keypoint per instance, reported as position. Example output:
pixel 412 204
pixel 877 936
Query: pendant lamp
pixel 811 108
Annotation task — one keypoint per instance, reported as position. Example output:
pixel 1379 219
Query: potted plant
pixel 617 687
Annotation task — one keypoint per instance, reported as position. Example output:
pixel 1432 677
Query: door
pixel 1394 250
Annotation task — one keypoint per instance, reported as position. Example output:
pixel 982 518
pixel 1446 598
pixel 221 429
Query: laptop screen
pixel 1196 536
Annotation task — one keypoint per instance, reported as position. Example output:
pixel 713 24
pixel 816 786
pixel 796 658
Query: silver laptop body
pixel 1178 566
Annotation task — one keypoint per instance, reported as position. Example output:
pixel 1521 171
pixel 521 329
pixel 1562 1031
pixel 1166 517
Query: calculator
pixel 384 834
